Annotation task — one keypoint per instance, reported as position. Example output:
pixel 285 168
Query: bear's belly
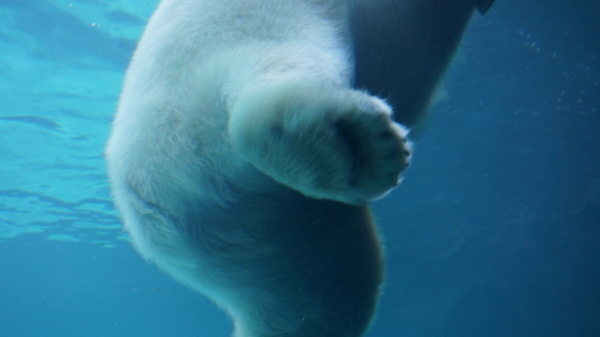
pixel 293 265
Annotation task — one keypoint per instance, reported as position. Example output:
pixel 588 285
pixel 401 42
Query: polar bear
pixel 246 148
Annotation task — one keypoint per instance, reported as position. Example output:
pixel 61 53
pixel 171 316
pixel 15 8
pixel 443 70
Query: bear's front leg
pixel 324 142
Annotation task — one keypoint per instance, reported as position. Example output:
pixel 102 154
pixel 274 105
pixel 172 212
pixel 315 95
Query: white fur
pixel 229 108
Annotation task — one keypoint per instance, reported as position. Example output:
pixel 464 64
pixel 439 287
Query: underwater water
pixel 495 230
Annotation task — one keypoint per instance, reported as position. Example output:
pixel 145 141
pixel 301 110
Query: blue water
pixel 494 232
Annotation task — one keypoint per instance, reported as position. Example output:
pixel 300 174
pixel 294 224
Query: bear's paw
pixel 326 143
